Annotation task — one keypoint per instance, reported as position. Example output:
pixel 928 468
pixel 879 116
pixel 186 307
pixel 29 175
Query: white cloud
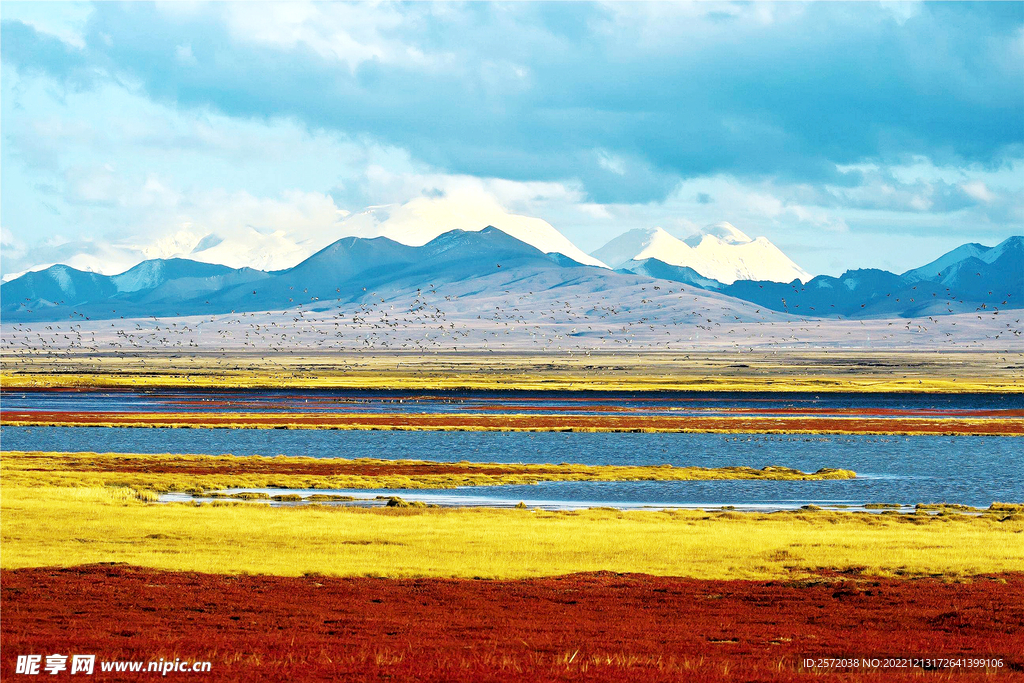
pixel 978 190
pixel 818 218
pixel 596 210
pixel 610 162
pixel 65 21
pixel 351 33
pixel 261 232
pixel 11 248
pixel 901 10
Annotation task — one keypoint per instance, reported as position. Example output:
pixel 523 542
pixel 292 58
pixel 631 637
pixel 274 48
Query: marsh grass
pixel 227 471
pixel 908 426
pixel 946 507
pixel 103 494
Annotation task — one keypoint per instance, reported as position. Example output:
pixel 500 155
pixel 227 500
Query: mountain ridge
pixel 970 283
pixel 347 268
pixel 353 268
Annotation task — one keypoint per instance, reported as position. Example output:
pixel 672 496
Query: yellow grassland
pixel 859 371
pixel 67 526
pixel 54 511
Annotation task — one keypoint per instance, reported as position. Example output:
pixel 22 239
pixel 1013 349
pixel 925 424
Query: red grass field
pixel 314 467
pixel 584 627
pixel 324 467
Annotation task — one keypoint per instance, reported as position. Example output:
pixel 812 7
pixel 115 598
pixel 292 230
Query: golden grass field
pixel 68 526
pixel 65 509
pixel 859 371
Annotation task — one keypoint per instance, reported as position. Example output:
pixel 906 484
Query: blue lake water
pixel 969 470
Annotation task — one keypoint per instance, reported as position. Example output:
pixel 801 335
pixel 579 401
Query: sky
pixel 852 135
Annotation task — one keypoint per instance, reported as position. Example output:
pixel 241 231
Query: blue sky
pixel 851 135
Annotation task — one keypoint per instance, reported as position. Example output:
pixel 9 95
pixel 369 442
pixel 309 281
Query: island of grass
pixel 203 473
pixel 511 422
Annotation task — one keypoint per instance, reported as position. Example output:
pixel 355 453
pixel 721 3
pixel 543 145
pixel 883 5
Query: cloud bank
pixel 123 121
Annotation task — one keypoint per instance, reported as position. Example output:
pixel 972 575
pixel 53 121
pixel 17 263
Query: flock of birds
pixel 514 316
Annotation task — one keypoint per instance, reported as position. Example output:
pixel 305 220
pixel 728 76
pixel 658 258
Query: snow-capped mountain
pixel 419 221
pixel 631 244
pixel 933 270
pixel 1000 263
pixel 720 252
pixel 250 248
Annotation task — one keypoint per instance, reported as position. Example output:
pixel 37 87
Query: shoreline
pixel 862 371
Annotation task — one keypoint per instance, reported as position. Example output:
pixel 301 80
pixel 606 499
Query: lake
pixel 969 470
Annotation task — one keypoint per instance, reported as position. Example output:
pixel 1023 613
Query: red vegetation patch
pixel 323 467
pixel 623 423
pixel 583 627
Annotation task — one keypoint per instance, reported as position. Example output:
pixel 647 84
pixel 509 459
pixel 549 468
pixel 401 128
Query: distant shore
pixel 794 371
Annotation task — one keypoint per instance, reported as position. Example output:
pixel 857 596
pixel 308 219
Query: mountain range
pixel 720 252
pixel 268 248
pixel 342 272
pixel 968 278
pixel 356 269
